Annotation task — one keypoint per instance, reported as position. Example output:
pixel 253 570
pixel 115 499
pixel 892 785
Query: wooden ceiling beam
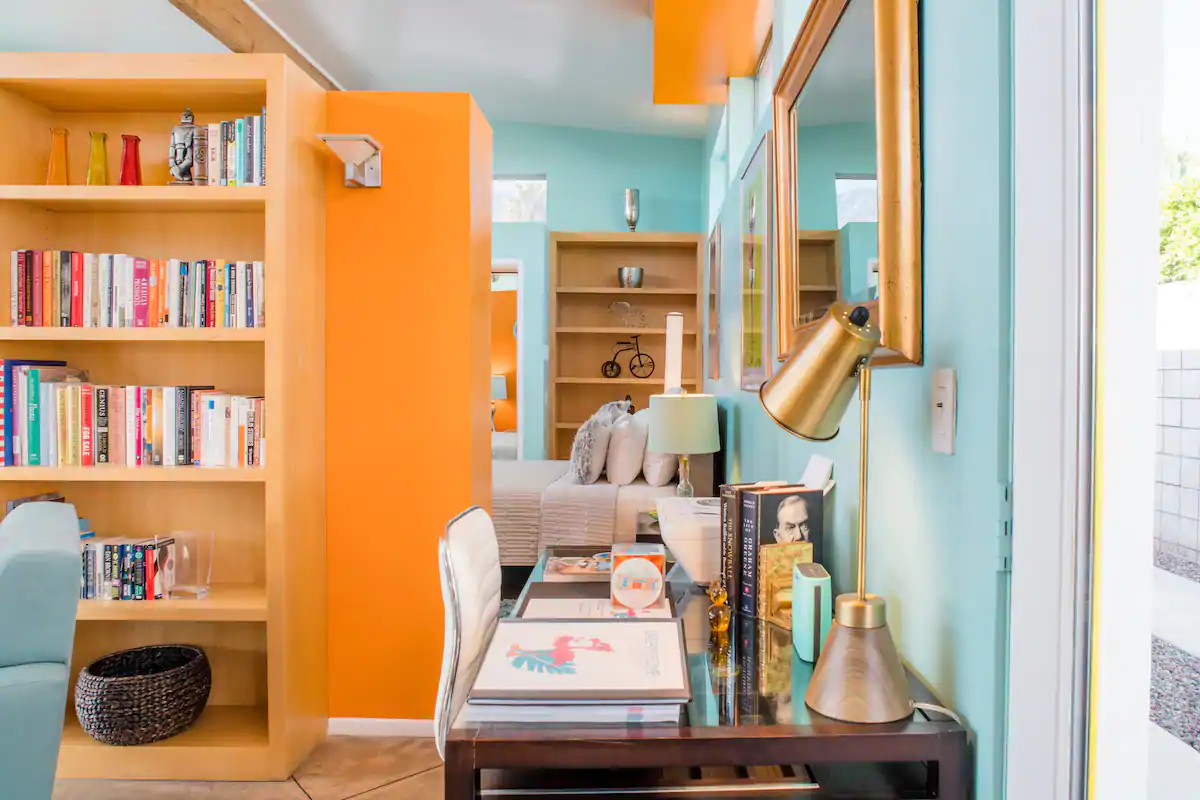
pixel 240 28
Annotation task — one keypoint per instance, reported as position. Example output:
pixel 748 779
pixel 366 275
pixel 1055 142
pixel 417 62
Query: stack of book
pixel 54 417
pixel 582 671
pixel 237 152
pixel 765 529
pixel 126 569
pixel 66 289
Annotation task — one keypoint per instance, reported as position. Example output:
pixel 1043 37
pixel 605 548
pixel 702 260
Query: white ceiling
pixel 100 26
pixel 841 87
pixel 580 63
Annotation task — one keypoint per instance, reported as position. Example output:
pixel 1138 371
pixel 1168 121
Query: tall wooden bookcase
pixel 263 625
pixel 585 325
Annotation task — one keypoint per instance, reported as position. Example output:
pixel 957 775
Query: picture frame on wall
pixel 714 302
pixel 756 278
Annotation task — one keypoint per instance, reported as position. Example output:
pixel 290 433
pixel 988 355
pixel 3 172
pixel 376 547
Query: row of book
pixel 53 416
pixel 126 569
pixel 232 153
pixel 765 529
pixel 67 289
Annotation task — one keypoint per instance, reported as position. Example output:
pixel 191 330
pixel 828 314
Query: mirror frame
pixel 898 172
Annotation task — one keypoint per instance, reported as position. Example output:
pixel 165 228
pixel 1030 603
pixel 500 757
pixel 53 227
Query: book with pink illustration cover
pixel 584 662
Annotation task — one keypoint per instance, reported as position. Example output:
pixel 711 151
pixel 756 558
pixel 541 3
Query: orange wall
pixel 407 342
pixel 698 44
pixel 504 356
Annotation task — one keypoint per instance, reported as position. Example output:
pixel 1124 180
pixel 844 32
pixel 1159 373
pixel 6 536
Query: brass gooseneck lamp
pixel 858 677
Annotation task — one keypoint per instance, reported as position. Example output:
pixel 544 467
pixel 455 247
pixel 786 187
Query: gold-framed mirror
pixel 847 186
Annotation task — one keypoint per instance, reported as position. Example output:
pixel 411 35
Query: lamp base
pixel 685 488
pixel 859 677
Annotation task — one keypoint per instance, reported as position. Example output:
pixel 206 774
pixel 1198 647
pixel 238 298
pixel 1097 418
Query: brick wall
pixel 1177 467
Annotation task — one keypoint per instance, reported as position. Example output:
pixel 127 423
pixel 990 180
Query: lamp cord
pixel 940 710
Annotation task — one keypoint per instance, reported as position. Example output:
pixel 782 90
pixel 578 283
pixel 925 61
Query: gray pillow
pixel 589 450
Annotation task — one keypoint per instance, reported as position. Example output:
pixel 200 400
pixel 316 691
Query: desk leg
pixel 462 779
pixel 952 777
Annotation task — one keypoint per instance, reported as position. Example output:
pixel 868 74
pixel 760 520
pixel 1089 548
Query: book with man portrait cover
pixel 780 525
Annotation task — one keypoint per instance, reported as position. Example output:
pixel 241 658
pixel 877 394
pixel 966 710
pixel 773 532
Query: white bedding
pixel 535 505
pixel 504 445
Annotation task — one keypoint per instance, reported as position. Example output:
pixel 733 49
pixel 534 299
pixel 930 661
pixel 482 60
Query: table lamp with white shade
pixel 684 425
pixel 499 392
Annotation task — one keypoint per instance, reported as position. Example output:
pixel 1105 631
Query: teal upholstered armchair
pixel 39 592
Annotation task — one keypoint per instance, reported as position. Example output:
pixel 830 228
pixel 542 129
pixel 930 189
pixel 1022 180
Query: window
pixel 857 199
pixel 519 200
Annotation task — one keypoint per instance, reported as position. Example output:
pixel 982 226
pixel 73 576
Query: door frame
pixel 1052 390
pixel 1085 173
pixel 513 266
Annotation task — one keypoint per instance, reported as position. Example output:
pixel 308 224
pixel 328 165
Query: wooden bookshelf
pixel 264 623
pixel 585 326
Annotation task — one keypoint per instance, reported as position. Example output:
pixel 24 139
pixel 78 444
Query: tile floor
pixel 363 768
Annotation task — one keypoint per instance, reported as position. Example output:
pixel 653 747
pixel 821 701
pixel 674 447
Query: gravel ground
pixel 1175 692
pixel 1178 566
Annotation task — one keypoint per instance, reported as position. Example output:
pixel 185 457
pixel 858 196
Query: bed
pixel 535 504
pixel 504 445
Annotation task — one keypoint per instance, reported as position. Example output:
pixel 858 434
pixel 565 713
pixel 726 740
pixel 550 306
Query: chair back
pixel 39 584
pixel 469 562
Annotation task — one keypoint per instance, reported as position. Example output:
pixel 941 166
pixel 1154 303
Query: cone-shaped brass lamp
pixel 859 677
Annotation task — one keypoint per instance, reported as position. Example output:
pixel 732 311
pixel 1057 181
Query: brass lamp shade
pixel 859 676
pixel 809 396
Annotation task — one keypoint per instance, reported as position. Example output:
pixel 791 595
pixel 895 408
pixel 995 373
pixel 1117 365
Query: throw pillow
pixel 659 468
pixel 589 450
pixel 609 412
pixel 626 449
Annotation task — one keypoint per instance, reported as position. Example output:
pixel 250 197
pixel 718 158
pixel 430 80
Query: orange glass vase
pixel 56 172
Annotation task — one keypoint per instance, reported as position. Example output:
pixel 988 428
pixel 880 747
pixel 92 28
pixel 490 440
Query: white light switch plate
pixel 944 409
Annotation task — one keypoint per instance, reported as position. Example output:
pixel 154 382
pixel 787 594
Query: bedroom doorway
pixel 506 358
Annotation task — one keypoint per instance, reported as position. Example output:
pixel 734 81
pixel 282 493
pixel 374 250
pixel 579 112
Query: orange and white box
pixel 638 575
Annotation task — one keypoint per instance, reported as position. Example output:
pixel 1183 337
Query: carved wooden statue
pixel 185 141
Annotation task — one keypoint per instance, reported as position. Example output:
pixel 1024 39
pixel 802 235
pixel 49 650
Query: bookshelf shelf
pixel 138 198
pixel 621 381
pixel 629 292
pixel 134 474
pixel 199 335
pixel 618 331
pixel 223 604
pixel 263 626
pixel 226 743
pixel 586 320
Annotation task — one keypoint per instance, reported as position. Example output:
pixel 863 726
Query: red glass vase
pixel 131 160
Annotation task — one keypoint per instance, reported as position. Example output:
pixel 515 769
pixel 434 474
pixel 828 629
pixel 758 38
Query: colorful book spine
pixel 86 426
pixel 214 154
pixel 36 255
pixel 21 289
pixel 76 290
pixel 34 424
pixel 65 261
pixel 141 293
pixel 48 269
pixel 748 588
pixel 101 434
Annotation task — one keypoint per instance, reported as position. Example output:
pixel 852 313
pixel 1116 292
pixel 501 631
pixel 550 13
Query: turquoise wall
pixel 529 243
pixel 822 153
pixel 588 172
pixel 934 519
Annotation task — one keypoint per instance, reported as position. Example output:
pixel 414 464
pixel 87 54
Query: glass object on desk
pixel 97 169
pixel 189 558
pixel 131 160
pixel 56 171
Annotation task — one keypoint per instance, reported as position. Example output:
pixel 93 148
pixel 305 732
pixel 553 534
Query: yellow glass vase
pixel 97 171
pixel 56 173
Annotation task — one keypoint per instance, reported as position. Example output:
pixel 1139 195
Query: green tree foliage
pixel 1179 231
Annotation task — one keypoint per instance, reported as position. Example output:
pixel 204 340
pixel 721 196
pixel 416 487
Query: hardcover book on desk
pixel 780 525
pixel 582 671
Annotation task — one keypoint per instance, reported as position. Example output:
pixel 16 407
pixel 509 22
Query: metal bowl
pixel 630 277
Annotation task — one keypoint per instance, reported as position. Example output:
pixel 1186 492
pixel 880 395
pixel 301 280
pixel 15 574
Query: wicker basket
pixel 143 695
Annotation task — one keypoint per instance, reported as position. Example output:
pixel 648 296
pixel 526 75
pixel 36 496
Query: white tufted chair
pixel 469 562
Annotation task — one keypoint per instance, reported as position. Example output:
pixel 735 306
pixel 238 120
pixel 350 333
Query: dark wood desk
pixel 747 722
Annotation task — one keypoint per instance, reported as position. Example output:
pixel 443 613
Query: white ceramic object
pixel 691 530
